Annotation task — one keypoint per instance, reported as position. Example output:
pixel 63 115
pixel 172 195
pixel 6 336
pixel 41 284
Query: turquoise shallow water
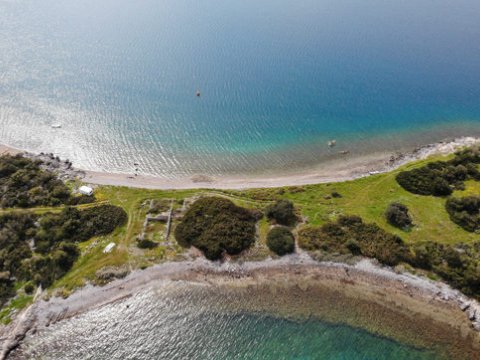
pixel 160 325
pixel 278 79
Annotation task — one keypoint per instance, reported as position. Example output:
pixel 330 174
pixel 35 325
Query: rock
pixel 464 306
pixel 476 325
pixel 472 314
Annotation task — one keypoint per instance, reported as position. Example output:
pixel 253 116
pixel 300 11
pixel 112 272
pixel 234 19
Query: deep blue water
pixel 278 79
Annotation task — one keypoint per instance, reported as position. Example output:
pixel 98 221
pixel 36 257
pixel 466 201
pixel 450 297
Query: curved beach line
pixel 352 168
pixel 400 295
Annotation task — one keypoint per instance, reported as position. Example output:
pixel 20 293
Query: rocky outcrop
pixel 12 334
pixel 63 168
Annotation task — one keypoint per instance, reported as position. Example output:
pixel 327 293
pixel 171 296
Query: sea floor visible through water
pixel 292 308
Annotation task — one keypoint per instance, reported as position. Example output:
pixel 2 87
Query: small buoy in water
pixel 332 143
pixel 198 93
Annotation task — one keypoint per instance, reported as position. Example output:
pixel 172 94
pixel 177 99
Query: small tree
pixel 282 212
pixel 397 215
pixel 280 240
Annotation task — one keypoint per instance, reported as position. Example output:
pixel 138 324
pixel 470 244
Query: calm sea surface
pixel 278 79
pixel 159 325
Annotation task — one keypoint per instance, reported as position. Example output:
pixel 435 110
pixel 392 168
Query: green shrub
pixel 6 287
pixel 426 180
pixel 457 265
pixel 281 240
pixel 216 225
pixel 81 199
pixel 146 244
pixel 440 178
pixel 465 212
pixel 283 212
pixel 25 185
pixel 73 225
pixel 55 236
pixel 102 220
pixel 353 246
pixel 349 234
pixel 29 288
pixel 397 215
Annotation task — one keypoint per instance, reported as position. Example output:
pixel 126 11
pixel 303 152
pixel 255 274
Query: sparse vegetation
pixel 281 240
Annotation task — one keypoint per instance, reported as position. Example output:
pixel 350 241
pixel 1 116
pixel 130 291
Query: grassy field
pixel 367 197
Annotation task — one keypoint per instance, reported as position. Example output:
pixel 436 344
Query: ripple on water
pixel 181 322
pixel 278 80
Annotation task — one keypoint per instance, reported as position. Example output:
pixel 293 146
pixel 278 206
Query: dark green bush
pixel 353 246
pixel 24 184
pixel 440 178
pixel 81 199
pixel 457 265
pixel 102 220
pixel 283 212
pixel 146 244
pixel 216 225
pixel 465 212
pixel 281 240
pixel 349 234
pixel 29 288
pixel 73 225
pixel 55 236
pixel 6 288
pixel 426 180
pixel 397 215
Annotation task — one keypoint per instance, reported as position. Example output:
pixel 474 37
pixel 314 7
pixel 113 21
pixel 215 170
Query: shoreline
pixel 414 302
pixel 304 288
pixel 354 168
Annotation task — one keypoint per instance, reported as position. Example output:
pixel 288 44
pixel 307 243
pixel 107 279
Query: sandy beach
pixel 395 305
pixel 413 310
pixel 349 168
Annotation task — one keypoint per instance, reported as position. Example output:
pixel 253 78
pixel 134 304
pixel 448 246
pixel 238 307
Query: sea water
pixel 160 325
pixel 277 80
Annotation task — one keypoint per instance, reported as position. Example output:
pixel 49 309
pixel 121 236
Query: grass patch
pixel 366 197
pixel 15 305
